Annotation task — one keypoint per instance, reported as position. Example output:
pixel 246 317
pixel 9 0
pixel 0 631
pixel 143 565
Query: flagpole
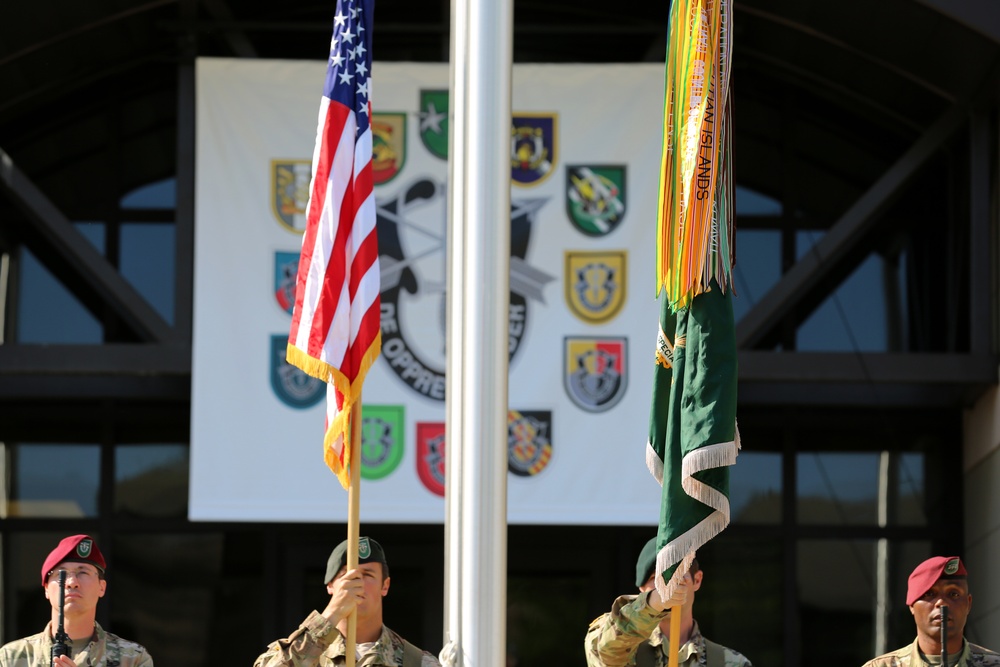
pixel 353 522
pixel 477 352
pixel 675 636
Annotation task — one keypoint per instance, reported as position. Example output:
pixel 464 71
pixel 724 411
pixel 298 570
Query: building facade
pixel 866 157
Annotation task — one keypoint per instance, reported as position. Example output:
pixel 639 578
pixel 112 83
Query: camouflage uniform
pixel 104 649
pixel 614 638
pixel 317 642
pixel 972 656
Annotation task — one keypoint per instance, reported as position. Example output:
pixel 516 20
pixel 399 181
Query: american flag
pixel 335 334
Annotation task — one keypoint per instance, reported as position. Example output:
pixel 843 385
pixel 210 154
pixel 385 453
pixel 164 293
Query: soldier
pixel 319 640
pixel 89 643
pixel 636 630
pixel 938 582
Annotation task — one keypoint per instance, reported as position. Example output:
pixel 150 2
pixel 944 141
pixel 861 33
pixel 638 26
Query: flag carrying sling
pixel 692 429
pixel 335 334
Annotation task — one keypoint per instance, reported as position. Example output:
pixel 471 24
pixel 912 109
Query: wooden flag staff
pixel 353 522
pixel 675 636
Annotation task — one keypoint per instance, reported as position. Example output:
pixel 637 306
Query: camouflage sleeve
pixel 7 656
pixel 983 657
pixel 140 658
pixel 303 647
pixel 735 659
pixel 614 637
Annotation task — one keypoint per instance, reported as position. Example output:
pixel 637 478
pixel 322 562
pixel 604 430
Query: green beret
pixel 369 551
pixel 644 566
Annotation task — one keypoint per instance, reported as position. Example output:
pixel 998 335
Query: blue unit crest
pixel 295 388
pixel 532 148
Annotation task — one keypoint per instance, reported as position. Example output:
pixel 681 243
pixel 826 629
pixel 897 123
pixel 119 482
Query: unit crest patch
pixel 388 146
pixel 382 439
pixel 595 371
pixel 295 388
pixel 290 192
pixel 434 122
pixel 595 284
pixel 83 548
pixel 595 198
pixel 532 148
pixel 286 270
pixel 529 441
pixel 431 456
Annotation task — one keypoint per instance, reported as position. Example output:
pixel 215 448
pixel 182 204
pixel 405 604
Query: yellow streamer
pixel 694 225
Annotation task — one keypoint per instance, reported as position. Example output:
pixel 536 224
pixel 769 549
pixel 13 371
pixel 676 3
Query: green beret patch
pixel 951 567
pixel 83 548
pixel 364 549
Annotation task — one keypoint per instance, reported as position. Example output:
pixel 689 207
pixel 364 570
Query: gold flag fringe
pixel 339 427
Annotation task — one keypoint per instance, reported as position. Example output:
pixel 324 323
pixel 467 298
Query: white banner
pixel 585 149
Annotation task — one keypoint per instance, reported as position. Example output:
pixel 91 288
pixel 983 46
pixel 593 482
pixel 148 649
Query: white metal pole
pixel 457 130
pixel 479 297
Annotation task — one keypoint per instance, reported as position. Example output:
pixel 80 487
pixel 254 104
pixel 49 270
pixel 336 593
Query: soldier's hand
pixel 63 661
pixel 676 600
pixel 347 592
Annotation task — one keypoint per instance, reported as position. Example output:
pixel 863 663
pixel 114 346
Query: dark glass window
pixel 53 480
pixel 26 609
pixel 161 195
pixel 534 633
pixel 838 488
pixel 842 585
pixel 869 488
pixel 151 480
pixel 182 573
pixel 755 488
pixel 758 267
pixel 836 580
pixel 758 251
pixel 740 603
pixel 148 248
pixel 148 262
pixel 47 311
pixel 853 318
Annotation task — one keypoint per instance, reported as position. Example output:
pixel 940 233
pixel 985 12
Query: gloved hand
pixel 676 600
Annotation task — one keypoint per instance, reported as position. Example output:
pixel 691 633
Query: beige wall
pixel 982 517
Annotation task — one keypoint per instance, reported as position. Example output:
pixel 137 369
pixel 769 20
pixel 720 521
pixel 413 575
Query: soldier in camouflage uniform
pixel 90 645
pixel 936 583
pixel 636 630
pixel 319 640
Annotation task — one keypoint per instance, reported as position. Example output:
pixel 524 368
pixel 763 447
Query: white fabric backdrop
pixel 254 458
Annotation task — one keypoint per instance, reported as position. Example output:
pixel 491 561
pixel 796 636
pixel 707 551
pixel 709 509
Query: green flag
pixel 692 427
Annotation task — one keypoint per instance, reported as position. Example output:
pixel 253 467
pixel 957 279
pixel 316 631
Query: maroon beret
pixel 928 572
pixel 74 549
